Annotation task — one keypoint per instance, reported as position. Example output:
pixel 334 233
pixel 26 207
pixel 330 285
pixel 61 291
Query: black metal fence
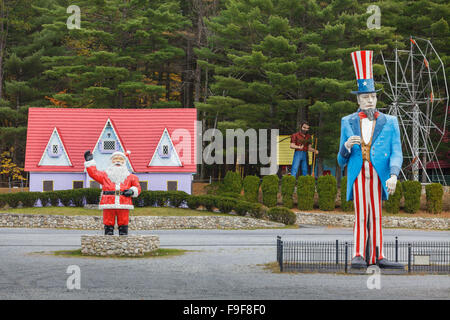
pixel 417 256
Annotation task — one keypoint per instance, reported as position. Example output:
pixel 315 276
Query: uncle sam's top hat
pixel 362 61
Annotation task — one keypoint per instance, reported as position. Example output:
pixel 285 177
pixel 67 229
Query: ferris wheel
pixel 416 86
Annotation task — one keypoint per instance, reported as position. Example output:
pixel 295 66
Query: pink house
pixel 161 142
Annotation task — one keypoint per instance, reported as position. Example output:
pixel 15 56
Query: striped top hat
pixel 362 61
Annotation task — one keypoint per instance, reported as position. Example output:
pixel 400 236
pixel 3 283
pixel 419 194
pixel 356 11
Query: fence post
pixel 396 249
pixel 281 255
pixel 278 249
pixel 337 251
pixel 346 253
pixel 409 257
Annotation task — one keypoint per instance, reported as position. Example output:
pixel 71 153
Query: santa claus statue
pixel 118 186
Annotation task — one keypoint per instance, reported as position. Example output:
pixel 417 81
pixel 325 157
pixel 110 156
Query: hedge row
pixel 287 190
pixel 411 193
pixel 77 197
pixel 327 190
pixel 434 192
pixel 269 188
pixel 345 205
pixel 80 197
pixel 282 214
pixel 226 205
pixel 251 188
pixel 392 205
pixel 306 188
pixel 232 182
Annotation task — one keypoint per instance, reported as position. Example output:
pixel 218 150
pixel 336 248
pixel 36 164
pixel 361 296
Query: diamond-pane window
pixel 55 149
pixel 165 149
pixel 109 145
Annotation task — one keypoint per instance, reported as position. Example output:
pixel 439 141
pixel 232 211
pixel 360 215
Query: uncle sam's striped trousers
pixel 367 232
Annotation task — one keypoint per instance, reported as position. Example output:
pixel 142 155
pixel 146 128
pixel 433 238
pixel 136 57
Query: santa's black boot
pixel 109 230
pixel 123 230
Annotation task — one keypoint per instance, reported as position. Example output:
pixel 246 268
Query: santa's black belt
pixel 113 193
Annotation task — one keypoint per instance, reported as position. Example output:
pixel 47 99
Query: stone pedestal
pixel 131 245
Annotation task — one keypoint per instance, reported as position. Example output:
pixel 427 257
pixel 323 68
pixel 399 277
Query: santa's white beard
pixel 117 174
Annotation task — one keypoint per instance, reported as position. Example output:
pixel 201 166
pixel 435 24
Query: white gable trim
pixel 48 143
pixel 177 158
pixel 118 139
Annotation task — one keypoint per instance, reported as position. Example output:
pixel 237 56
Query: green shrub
pixel 12 199
pixel 255 210
pixel 193 202
pixel 91 195
pixel 251 188
pixel 65 196
pixel 232 182
pixel 230 195
pixel 327 190
pixel 282 214
pixel 79 196
pixel 225 205
pixel 176 198
pixel 215 188
pixel 28 199
pixel 269 189
pixel 392 205
pixel 2 200
pixel 345 205
pixel 306 188
pixel 287 190
pixel 53 198
pixel 434 192
pixel 208 201
pixel 411 194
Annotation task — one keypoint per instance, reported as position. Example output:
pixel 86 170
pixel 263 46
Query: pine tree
pixel 279 62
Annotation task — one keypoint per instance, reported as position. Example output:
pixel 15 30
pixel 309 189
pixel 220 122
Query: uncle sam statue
pixel 370 146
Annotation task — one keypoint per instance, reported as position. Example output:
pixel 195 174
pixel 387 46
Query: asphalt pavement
pixel 221 264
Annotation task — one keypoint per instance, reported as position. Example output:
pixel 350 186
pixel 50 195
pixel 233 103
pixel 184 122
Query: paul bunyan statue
pixel 118 186
pixel 370 147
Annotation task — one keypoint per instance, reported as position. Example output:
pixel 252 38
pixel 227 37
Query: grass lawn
pixel 146 211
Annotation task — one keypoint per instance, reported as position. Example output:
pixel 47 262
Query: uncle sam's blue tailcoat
pixel 385 152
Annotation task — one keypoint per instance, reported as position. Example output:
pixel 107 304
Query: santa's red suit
pixel 113 202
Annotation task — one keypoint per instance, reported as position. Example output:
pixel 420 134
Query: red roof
pixel 139 131
pixel 436 165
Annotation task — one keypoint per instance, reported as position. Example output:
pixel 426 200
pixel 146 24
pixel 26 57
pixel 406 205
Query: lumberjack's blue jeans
pixel 300 159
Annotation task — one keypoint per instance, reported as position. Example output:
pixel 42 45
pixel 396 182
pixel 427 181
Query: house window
pixel 164 151
pixel 144 185
pixel 77 184
pixel 47 185
pixel 94 184
pixel 172 185
pixel 109 145
pixel 54 150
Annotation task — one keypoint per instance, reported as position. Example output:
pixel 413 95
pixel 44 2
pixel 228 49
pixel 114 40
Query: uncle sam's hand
pixel 391 183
